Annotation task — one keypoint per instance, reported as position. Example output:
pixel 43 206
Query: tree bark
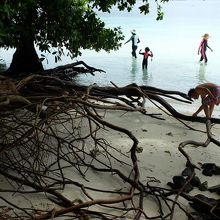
pixel 25 60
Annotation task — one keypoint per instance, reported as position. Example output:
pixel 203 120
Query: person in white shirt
pixel 135 40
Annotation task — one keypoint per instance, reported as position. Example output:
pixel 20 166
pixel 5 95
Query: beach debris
pixel 95 152
pixel 215 188
pixel 187 172
pixel 199 216
pixel 195 181
pixel 139 149
pixel 203 186
pixel 207 206
pixel 210 169
pixel 179 182
pixel 168 152
pixel 187 179
pixel 169 134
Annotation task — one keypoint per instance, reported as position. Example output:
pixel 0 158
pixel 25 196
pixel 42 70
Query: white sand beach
pixel 160 159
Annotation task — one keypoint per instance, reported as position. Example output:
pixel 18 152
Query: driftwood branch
pixel 50 127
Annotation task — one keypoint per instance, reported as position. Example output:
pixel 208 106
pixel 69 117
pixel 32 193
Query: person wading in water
pixel 203 47
pixel 135 40
pixel 147 53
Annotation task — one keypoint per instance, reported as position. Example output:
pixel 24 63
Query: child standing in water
pixel 203 47
pixel 147 53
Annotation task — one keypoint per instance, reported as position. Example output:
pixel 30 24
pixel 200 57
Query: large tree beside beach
pixel 53 25
pixel 69 151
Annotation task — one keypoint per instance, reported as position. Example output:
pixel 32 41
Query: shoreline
pixel 160 160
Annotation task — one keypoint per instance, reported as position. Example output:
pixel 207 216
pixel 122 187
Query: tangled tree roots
pixel 52 149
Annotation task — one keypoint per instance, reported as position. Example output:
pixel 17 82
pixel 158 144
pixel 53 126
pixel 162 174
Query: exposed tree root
pixel 50 144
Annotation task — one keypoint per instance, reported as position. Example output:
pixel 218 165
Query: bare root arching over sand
pixel 55 150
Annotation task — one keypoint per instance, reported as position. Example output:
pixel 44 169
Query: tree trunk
pixel 25 60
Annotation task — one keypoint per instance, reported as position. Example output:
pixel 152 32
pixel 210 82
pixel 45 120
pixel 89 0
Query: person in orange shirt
pixel 210 96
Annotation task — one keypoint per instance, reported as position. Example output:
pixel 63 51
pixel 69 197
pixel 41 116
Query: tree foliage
pixel 57 24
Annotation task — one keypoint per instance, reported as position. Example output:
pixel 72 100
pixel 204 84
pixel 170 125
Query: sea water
pixel 174 42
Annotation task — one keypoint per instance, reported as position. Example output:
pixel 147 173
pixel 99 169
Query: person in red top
pixel 147 53
pixel 203 47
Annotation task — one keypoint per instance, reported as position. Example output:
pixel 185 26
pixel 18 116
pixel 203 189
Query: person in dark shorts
pixel 210 96
pixel 203 47
pixel 135 40
pixel 147 53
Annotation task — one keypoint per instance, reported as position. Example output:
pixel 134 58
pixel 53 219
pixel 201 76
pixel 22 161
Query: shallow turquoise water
pixel 174 42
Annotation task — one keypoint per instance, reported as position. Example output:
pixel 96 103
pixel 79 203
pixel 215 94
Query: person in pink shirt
pixel 203 47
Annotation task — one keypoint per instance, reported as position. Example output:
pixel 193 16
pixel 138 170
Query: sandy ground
pixel 160 157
